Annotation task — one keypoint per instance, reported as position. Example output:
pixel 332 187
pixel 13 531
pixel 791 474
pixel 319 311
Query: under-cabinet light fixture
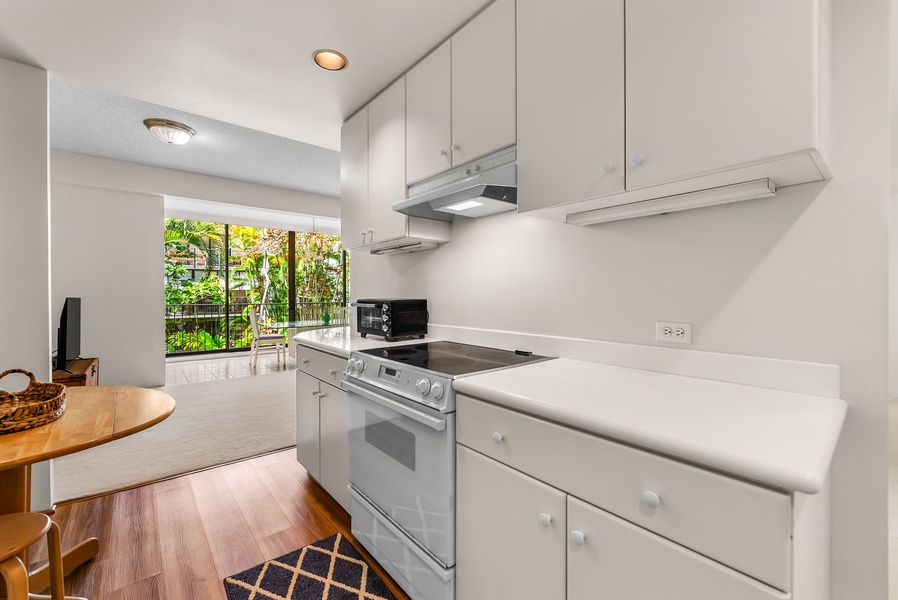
pixel 760 188
pixel 466 205
pixel 170 132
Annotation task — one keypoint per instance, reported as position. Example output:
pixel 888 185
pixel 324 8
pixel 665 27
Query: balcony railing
pixel 210 327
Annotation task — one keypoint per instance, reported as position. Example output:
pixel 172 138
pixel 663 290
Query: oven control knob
pixel 423 386
pixel 436 390
pixel 386 327
pixel 357 366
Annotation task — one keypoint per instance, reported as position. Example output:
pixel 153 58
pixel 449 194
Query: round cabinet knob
pixel 456 147
pixel 316 392
pixel 305 361
pixel 423 385
pixel 637 159
pixel 467 171
pixel 578 538
pixel 545 519
pixel 607 168
pixel 477 169
pixel 332 372
pixel 436 390
pixel 497 437
pixel 443 152
pixel 651 499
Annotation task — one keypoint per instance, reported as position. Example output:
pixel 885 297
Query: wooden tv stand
pixel 84 371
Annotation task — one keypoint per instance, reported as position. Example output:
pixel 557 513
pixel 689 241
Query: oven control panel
pixel 389 374
pixel 418 385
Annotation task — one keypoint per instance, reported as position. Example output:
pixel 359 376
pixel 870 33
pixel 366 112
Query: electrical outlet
pixel 676 333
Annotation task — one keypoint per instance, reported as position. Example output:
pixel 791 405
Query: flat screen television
pixel 68 336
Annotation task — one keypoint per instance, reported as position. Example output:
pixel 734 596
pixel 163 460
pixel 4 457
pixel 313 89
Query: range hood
pixel 486 187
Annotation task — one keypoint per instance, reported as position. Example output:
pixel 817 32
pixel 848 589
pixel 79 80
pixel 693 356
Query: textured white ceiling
pixel 238 72
pixel 245 63
pixel 88 121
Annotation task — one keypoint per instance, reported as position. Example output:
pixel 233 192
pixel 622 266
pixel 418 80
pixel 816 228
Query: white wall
pixel 107 250
pixel 111 174
pixel 24 228
pixel 893 296
pixel 802 276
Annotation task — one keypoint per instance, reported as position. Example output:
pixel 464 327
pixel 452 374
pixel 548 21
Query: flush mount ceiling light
pixel 170 132
pixel 330 60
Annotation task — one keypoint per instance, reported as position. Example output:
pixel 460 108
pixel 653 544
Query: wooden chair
pixel 18 531
pixel 265 339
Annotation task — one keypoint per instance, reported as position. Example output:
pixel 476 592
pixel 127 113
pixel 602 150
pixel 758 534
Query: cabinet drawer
pixel 321 365
pixel 745 526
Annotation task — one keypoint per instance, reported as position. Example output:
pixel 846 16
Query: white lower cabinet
pixel 322 443
pixel 502 549
pixel 611 559
pixel 521 538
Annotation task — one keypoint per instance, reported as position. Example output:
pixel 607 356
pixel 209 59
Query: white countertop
pixel 783 439
pixel 342 340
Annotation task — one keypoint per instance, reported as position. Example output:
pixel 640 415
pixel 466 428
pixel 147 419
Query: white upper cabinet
pixel 483 84
pixel 429 115
pixel 354 180
pixel 570 100
pixel 461 98
pixel 386 163
pixel 372 174
pixel 714 85
pixel 638 107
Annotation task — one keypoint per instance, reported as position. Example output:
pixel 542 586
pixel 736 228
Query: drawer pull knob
pixel 305 361
pixel 578 538
pixel 316 393
pixel 651 499
pixel 545 519
pixel 497 437
pixel 332 372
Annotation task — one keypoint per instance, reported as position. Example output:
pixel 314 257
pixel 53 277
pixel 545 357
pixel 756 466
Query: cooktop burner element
pixel 452 358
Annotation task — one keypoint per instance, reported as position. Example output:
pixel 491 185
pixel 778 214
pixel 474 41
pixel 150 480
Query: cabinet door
pixel 570 99
pixel 502 549
pixel 354 180
pixel 620 560
pixel 483 84
pixel 335 443
pixel 714 84
pixel 429 115
pixel 386 163
pixel 307 424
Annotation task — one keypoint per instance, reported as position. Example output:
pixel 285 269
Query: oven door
pixel 402 458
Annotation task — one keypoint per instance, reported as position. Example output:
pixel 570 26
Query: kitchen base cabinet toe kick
pixel 535 522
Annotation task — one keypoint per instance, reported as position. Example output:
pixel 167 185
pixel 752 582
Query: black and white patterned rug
pixel 329 569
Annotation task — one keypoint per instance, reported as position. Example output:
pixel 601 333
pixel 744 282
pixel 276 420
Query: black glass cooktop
pixel 453 358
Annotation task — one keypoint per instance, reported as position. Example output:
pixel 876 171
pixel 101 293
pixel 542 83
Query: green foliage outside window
pixel 258 273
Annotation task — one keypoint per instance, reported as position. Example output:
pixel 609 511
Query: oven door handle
pixel 411 413
pixel 365 305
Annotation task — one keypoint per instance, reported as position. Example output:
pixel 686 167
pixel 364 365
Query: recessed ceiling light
pixel 330 60
pixel 170 132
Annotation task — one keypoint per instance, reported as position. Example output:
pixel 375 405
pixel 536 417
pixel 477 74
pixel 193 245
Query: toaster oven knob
pixel 436 390
pixel 423 385
pixel 386 327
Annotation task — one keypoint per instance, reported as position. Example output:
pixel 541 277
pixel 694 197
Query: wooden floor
pixel 177 539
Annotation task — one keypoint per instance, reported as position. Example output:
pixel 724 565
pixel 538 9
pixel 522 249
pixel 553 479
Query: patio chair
pixel 264 339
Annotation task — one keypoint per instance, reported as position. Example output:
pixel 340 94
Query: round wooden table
pixel 93 416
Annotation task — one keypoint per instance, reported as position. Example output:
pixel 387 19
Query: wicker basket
pixel 38 404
